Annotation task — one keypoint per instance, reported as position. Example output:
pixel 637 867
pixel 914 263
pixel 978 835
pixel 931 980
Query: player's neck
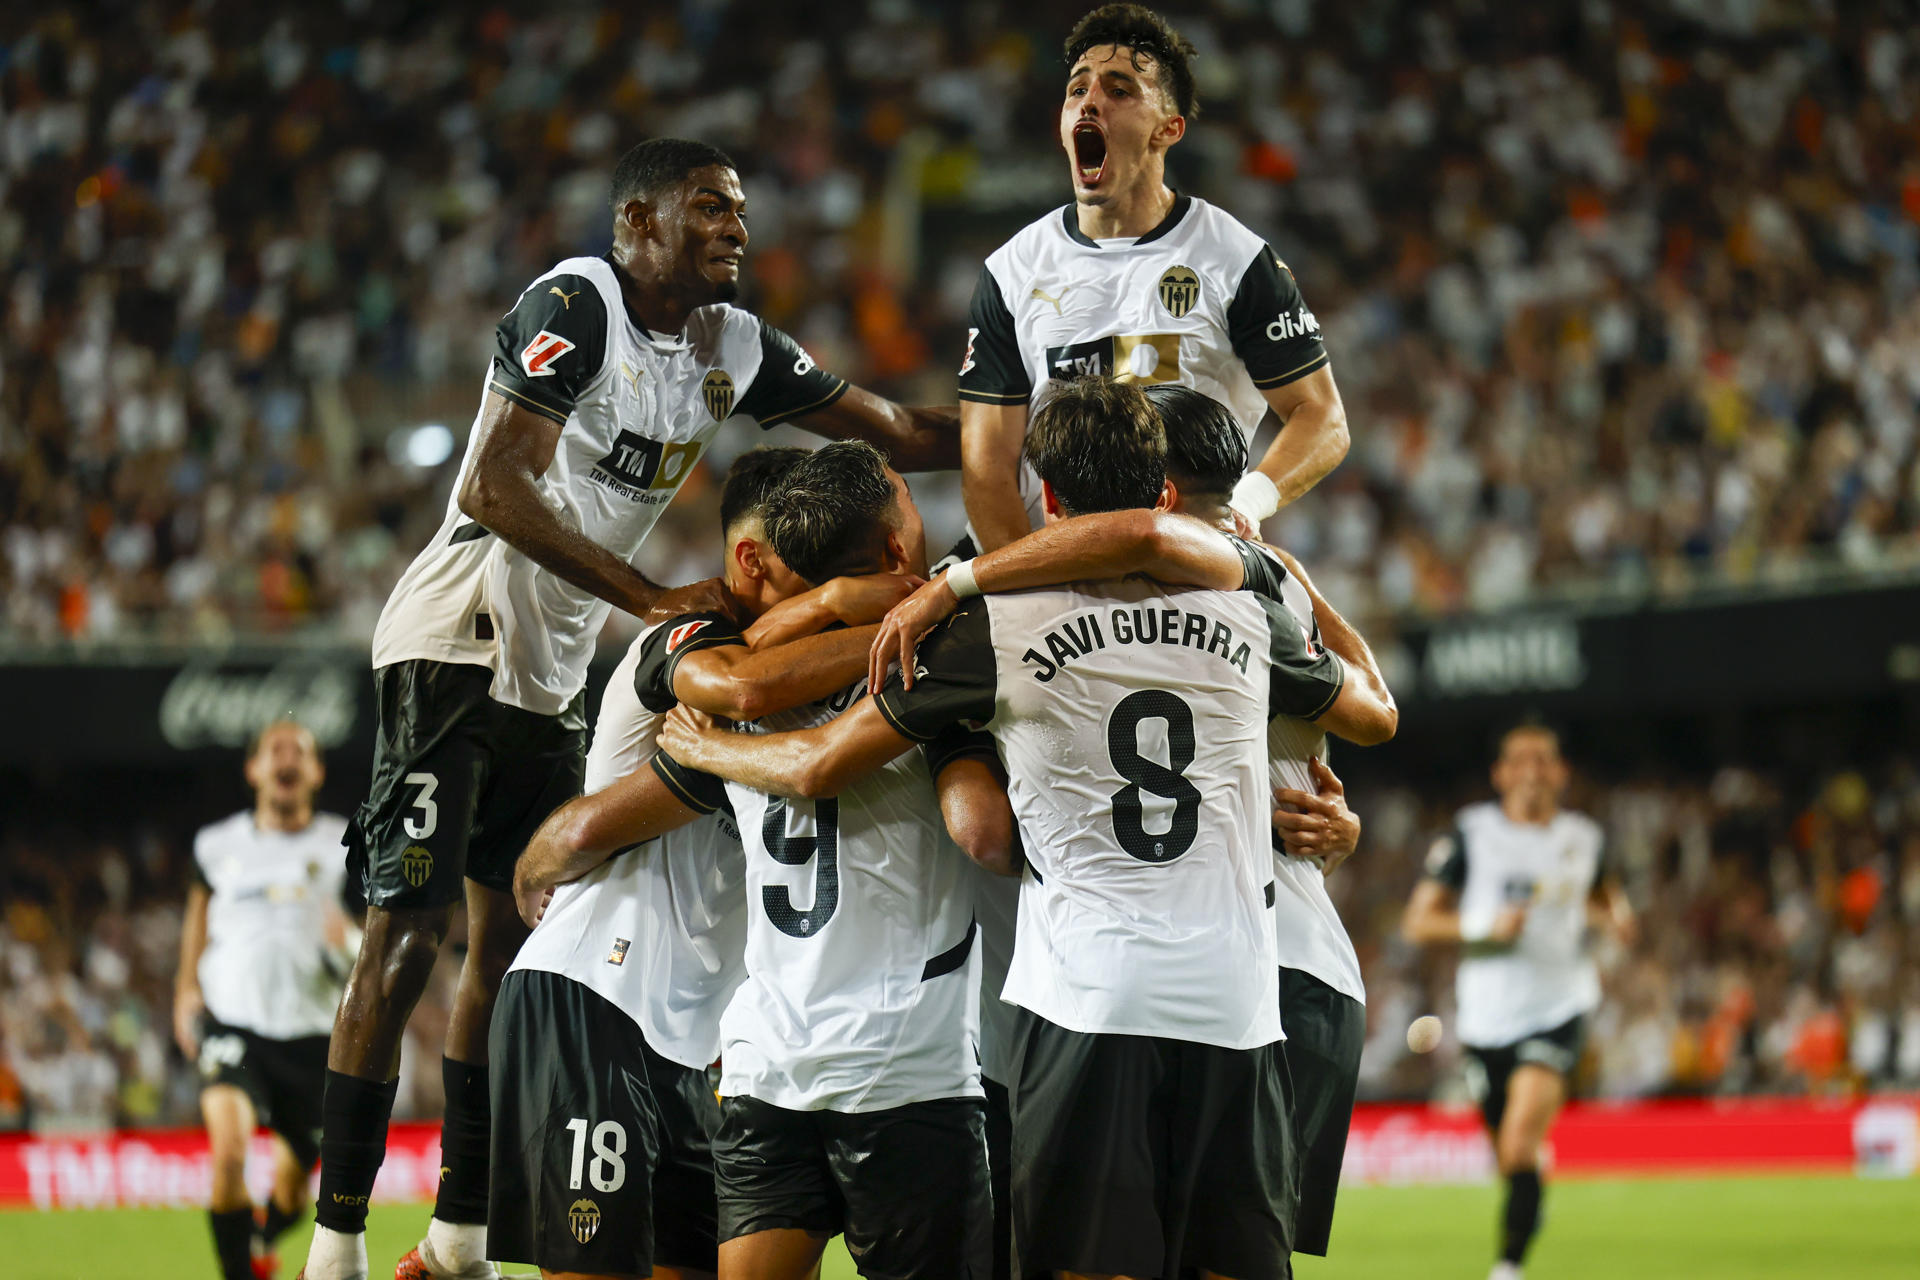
pixel 654 304
pixel 1519 811
pixel 268 816
pixel 1130 213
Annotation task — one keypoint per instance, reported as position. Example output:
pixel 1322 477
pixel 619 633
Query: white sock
pixel 454 1248
pixel 1504 1270
pixel 337 1255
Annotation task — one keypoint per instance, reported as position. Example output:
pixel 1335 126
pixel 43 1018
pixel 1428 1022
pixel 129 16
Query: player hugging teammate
pixel 964 937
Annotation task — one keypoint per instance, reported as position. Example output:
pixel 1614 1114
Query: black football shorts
pixel 283 1078
pixel 1325 1033
pixel 1492 1069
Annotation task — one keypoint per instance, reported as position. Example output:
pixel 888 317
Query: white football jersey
pixel 658 930
pixel 1199 300
pixel 1546 978
pixel 1132 720
pixel 863 979
pixel 1307 927
pixel 637 411
pixel 267 967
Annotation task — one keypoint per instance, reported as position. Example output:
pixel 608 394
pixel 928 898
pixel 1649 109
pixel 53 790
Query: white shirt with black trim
pixel 659 929
pixel 863 978
pixel 1546 978
pixel 1133 723
pixel 637 410
pixel 267 967
pixel 1199 300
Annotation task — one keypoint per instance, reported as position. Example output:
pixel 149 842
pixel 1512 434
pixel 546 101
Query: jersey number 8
pixel 822 848
pixel 1142 774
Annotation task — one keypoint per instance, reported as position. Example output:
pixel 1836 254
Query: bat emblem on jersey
pixel 1037 293
pixel 583 1219
pixel 717 387
pixel 566 299
pixel 1179 291
pixel 538 357
pixel 416 864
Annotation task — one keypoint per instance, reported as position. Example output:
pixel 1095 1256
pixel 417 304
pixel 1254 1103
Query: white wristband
pixel 960 580
pixel 1256 497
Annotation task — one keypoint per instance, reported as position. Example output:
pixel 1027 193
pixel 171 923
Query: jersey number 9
pixel 822 848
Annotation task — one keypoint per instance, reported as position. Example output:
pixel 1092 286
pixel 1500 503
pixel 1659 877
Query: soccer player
pixel 1322 996
pixel 262 954
pixel 1517 883
pixel 1150 1128
pixel 1136 281
pixel 610 377
pixel 603 1118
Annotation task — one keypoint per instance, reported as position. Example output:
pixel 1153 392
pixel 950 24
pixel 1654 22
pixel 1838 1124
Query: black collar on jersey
pixel 1167 224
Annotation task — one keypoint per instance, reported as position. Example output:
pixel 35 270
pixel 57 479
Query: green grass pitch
pixel 1690 1229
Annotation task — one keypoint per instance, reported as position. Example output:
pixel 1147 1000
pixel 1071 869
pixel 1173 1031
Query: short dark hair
pixel 1145 32
pixel 1532 723
pixel 287 721
pixel 1206 450
pixel 658 164
pixel 1100 444
pixel 833 514
pixel 753 479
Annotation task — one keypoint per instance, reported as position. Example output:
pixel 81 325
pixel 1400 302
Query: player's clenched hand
pixel 867 597
pixel 1317 825
pixel 188 1005
pixel 683 735
pixel 901 629
pixel 706 596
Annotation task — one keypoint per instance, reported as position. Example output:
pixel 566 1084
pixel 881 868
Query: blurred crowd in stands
pixel 1617 293
pixel 1779 949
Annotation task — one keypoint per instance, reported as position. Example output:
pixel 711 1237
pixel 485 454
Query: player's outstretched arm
pixel 811 764
pixel 1175 549
pixel 923 438
pixel 991 438
pixel 851 601
pixel 1313 438
pixel 1366 705
pixel 746 684
pixel 501 493
pixel 979 817
pixel 587 830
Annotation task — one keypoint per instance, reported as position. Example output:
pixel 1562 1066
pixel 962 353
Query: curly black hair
pixel 1147 34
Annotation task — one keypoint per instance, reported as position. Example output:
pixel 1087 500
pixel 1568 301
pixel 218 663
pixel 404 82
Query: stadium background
pixel 1624 300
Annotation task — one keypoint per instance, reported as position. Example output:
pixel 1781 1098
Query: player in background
pixel 1322 996
pixel 1517 883
pixel 1135 766
pixel 1136 281
pixel 610 377
pixel 262 954
pixel 603 1118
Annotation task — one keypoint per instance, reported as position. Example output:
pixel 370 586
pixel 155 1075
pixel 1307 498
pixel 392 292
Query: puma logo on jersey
pixel 632 376
pixel 566 299
pixel 538 356
pixel 1054 300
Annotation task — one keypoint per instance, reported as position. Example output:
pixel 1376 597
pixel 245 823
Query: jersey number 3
pixel 1142 774
pixel 822 848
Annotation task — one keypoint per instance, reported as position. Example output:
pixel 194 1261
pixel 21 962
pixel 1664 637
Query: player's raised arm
pixel 1368 699
pixel 808 763
pixel 1279 341
pixel 995 388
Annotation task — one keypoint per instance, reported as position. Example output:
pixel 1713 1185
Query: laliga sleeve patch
pixel 538 356
pixel 683 633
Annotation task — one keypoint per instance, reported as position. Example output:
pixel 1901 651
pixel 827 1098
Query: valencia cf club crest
pixel 717 387
pixel 1179 291
pixel 416 864
pixel 583 1218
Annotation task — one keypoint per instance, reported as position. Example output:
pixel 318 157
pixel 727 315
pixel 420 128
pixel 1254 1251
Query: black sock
pixel 1522 1218
pixel 463 1144
pixel 353 1142
pixel 233 1241
pixel 279 1221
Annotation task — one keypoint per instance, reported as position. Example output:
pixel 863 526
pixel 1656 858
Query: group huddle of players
pixel 996 894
